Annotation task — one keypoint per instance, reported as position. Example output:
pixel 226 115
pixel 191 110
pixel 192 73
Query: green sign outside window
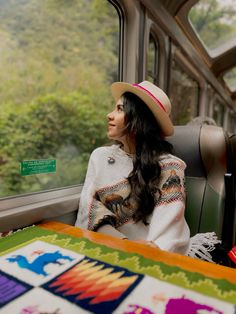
pixel 29 167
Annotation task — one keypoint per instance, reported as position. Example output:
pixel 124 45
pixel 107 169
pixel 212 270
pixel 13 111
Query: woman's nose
pixel 109 115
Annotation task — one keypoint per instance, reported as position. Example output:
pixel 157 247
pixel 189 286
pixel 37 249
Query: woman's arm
pixel 168 228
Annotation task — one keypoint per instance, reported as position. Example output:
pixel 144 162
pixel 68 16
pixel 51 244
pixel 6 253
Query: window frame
pixel 163 51
pixel 155 71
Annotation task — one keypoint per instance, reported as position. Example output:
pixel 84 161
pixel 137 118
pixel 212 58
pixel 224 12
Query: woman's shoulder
pixel 169 159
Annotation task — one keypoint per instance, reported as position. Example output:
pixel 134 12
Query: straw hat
pixel 156 100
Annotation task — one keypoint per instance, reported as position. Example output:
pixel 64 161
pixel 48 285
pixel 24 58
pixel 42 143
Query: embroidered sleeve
pixel 172 186
pixel 92 213
pixel 99 215
pixel 168 228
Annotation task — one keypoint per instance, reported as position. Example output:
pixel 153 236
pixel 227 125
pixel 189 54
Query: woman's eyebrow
pixel 119 105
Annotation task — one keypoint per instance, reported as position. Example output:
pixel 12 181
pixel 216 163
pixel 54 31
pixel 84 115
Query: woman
pixel 135 188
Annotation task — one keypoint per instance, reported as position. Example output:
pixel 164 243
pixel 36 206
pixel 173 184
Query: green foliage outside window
pixel 57 61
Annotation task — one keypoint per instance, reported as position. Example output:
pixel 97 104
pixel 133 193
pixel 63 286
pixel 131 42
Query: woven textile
pixel 42 271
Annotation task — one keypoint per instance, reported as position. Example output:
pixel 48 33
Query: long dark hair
pixel 143 129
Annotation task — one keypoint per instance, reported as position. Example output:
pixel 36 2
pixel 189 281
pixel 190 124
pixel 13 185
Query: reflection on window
pixel 184 92
pixel 57 61
pixel 218 113
pixel 230 79
pixel 214 22
pixel 152 60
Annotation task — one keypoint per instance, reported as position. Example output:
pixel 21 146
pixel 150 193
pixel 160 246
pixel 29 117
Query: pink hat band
pixel 151 95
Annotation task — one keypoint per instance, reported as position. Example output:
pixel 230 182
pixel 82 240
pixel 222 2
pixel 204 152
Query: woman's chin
pixel 111 136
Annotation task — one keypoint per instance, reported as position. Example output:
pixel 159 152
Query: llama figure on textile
pixel 37 266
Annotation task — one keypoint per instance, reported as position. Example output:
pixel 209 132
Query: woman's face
pixel 116 122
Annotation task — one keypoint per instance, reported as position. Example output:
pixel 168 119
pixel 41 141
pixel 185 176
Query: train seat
pixel 204 148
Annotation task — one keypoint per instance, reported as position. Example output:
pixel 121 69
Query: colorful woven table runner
pixel 43 271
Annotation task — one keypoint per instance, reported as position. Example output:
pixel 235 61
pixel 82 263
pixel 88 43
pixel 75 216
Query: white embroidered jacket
pixel 104 200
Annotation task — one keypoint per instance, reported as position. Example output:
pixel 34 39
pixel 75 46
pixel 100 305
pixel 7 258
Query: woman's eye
pixel 120 108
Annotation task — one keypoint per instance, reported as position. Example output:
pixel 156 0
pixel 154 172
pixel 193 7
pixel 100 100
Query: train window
pixel 232 123
pixel 152 59
pixel 214 23
pixel 209 100
pixel 218 113
pixel 57 61
pixel 230 79
pixel 184 94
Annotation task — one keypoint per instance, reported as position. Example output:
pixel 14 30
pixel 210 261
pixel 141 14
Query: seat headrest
pixel 213 151
pixel 186 143
pixel 203 148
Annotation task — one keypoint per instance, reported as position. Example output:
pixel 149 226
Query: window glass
pixel 184 92
pixel 57 61
pixel 152 59
pixel 230 79
pixel 214 22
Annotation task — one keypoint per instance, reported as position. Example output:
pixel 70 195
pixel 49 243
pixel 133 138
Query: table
pixel 57 268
